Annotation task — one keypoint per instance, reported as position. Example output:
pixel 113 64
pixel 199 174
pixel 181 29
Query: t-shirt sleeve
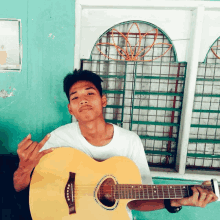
pixel 139 157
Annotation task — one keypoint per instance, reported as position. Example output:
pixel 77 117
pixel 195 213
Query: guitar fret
pixel 157 193
pixel 142 191
pixel 131 191
pixel 188 191
pixel 147 192
pixel 152 191
pixel 139 189
pixel 181 191
pixel 175 190
pixel 168 192
pixel 135 192
pixel 122 192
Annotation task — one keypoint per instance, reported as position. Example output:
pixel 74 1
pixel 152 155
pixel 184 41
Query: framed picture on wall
pixel 10 45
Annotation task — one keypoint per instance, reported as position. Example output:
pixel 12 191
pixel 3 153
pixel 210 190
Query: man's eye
pixel 90 93
pixel 74 98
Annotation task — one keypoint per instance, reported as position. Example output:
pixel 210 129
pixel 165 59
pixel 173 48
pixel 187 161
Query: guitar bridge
pixel 69 193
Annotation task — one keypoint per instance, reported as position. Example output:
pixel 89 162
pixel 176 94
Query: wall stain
pixel 4 94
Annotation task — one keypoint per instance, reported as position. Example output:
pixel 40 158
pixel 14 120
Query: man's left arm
pixel 200 198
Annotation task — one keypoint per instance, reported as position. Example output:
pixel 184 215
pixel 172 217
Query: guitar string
pixel 138 194
pixel 141 192
pixel 142 188
pixel 146 186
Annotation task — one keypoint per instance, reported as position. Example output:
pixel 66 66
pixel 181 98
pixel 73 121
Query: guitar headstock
pixel 215 187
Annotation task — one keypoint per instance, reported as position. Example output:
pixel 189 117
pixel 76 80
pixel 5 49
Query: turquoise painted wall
pixel 39 104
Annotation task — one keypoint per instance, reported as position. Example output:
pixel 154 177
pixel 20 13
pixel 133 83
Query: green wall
pixel 39 104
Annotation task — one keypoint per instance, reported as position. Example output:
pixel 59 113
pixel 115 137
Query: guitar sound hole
pixel 106 193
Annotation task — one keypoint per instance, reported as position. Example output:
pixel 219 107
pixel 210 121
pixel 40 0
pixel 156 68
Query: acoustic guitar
pixel 67 184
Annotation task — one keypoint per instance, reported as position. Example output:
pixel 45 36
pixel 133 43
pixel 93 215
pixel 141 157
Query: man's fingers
pixel 24 146
pixel 42 153
pixel 31 149
pixel 24 140
pixel 195 195
pixel 202 194
pixel 207 183
pixel 41 144
pixel 209 198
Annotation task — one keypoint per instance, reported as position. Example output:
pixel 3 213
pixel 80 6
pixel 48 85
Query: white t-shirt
pixel 124 143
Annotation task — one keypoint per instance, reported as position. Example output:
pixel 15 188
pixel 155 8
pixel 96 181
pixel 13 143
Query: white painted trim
pixel 10 68
pixel 187 5
pixel 20 45
pixel 186 176
pixel 190 84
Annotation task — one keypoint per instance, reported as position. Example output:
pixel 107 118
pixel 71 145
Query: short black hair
pixel 81 75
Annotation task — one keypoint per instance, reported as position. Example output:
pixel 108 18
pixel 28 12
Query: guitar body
pixel 50 177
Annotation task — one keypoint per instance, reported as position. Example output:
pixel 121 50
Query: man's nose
pixel 83 101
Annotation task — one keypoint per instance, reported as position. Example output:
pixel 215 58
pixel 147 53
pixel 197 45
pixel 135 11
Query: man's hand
pixel 200 198
pixel 29 155
pixel 28 152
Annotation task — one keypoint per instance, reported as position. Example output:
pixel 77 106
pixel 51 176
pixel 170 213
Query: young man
pixel 100 140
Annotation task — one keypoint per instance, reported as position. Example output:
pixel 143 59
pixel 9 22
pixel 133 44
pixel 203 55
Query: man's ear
pixel 70 111
pixel 104 100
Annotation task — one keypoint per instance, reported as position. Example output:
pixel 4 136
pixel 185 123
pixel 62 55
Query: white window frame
pixel 194 51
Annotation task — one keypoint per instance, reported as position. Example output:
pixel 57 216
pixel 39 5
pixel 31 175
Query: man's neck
pixel 98 133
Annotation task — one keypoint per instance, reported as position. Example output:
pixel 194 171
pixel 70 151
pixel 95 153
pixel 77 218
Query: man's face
pixel 85 101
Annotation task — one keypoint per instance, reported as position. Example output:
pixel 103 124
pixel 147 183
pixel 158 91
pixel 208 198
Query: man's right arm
pixel 29 156
pixel 21 179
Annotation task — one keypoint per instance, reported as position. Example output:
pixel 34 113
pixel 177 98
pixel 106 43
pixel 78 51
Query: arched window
pixel 144 83
pixel 204 142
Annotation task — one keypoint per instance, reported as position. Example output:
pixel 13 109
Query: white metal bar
pixel 190 84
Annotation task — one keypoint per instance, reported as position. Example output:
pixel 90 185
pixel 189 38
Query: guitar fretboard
pixel 127 191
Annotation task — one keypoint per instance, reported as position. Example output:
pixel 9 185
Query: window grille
pixel 204 142
pixel 144 83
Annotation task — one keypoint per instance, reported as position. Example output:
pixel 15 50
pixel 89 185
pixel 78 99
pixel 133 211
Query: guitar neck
pixel 128 191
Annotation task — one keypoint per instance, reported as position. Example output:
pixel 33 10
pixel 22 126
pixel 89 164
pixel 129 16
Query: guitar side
pixel 47 200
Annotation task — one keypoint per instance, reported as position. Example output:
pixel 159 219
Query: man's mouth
pixel 87 107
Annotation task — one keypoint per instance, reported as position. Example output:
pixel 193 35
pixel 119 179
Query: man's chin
pixel 86 118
